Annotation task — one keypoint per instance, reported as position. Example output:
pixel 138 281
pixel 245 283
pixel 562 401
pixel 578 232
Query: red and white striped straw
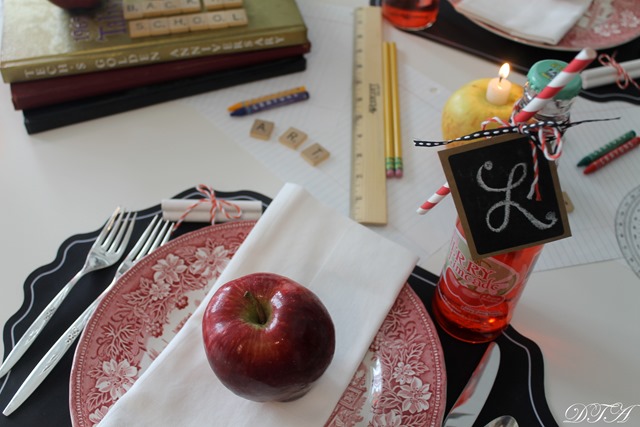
pixel 579 63
pixel 435 199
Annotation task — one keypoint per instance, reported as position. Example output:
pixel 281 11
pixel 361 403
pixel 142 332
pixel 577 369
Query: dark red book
pixel 80 110
pixel 47 92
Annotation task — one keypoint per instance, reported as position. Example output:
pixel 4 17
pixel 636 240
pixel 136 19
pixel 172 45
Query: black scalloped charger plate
pixel 519 387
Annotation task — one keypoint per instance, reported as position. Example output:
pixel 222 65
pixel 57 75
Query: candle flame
pixel 504 71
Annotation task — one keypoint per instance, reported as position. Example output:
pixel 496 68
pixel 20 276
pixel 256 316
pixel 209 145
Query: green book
pixel 41 40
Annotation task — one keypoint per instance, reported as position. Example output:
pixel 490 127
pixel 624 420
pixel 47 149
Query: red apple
pixel 267 338
pixel 76 4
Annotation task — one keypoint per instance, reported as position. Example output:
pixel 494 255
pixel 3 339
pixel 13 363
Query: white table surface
pixel 67 181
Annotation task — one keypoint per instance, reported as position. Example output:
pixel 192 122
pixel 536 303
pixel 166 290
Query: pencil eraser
pixel 262 129
pixel 315 154
pixel 293 138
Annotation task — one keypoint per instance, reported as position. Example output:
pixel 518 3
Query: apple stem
pixel 262 316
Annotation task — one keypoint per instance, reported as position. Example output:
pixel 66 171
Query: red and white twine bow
pixel 538 133
pixel 623 80
pixel 546 132
pixel 209 195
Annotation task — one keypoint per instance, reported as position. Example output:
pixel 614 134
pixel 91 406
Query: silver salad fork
pixel 106 250
pixel 156 234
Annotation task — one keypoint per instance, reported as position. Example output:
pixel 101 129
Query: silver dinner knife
pixel 469 404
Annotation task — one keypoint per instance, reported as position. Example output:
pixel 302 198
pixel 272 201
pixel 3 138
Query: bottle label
pixel 480 284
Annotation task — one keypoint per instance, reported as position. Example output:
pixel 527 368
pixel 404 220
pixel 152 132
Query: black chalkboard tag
pixel 491 184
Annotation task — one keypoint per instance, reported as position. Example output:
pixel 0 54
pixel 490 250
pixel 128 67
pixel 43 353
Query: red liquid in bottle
pixel 474 300
pixel 410 14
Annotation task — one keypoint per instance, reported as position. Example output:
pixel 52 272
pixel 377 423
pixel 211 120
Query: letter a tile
pixel 262 129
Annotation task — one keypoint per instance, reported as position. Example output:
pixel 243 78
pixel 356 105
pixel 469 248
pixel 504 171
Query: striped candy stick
pixel 579 63
pixel 435 199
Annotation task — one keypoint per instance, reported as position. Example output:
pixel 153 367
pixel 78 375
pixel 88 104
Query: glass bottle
pixel 475 300
pixel 412 15
pixel 559 108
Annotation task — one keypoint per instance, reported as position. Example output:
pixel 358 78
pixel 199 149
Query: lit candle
pixel 499 87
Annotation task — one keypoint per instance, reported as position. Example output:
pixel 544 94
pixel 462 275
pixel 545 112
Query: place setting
pixel 525 33
pixel 318 305
pixel 409 369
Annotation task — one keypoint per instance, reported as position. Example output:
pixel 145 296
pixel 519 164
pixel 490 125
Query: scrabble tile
pixel 132 9
pixel 178 24
pixel 213 4
pixel 262 129
pixel 315 154
pixel 139 28
pixel 158 26
pixel 216 20
pixel 189 6
pixel 198 22
pixel 152 8
pixel 230 4
pixel 170 7
pixel 236 17
pixel 292 138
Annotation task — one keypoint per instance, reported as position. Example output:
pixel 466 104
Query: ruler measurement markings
pixel 368 177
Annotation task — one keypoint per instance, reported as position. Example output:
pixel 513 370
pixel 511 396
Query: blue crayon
pixel 271 103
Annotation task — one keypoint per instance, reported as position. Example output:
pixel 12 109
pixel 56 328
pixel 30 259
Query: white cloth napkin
pixel 353 270
pixel 545 21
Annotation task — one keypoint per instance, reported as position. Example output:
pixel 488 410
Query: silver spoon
pixel 503 421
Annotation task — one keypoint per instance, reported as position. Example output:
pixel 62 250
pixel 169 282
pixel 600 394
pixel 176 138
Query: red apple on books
pixel 267 338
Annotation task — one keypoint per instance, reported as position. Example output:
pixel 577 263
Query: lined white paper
pixel 326 118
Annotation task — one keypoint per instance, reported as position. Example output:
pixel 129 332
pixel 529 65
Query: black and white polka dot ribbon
pixel 532 130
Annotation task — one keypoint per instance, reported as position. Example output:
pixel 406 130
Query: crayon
pixel 589 158
pixel 270 103
pixel 612 155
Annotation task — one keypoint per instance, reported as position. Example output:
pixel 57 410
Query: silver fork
pixel 105 251
pixel 155 235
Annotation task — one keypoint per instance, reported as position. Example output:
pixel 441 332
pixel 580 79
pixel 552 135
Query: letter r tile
pixel 292 138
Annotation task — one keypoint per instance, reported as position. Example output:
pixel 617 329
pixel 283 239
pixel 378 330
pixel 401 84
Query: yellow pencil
pixel 395 110
pixel 388 116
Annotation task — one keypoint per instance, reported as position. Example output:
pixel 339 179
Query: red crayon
pixel 612 155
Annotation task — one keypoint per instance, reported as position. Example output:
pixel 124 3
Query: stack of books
pixel 66 67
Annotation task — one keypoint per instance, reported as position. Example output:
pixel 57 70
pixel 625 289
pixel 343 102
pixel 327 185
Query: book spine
pixel 56 116
pixel 40 93
pixel 152 54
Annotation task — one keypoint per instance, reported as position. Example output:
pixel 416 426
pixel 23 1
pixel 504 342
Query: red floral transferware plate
pixel 401 381
pixel 606 24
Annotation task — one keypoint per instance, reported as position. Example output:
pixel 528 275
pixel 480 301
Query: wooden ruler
pixel 368 176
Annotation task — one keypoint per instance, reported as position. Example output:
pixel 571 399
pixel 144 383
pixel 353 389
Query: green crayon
pixel 607 148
